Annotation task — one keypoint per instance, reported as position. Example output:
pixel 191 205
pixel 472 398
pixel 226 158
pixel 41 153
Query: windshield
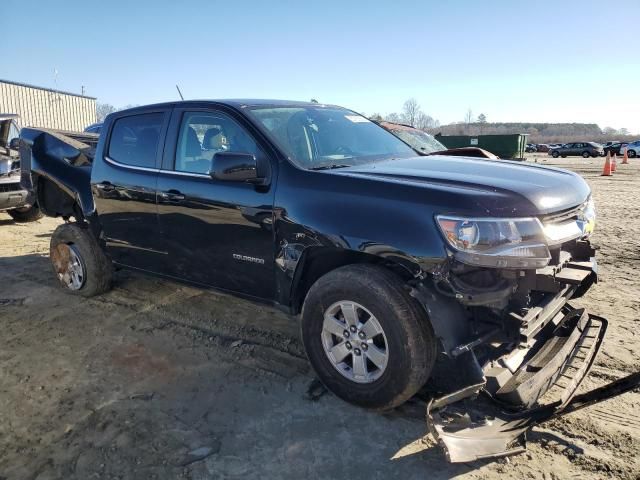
pixel 318 137
pixel 421 141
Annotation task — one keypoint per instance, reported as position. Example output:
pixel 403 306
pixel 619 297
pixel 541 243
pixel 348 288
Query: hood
pixel 524 189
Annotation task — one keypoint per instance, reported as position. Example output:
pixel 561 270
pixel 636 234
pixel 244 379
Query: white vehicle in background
pixel 633 149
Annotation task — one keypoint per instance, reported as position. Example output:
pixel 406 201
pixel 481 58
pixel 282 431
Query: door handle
pixel 172 196
pixel 105 186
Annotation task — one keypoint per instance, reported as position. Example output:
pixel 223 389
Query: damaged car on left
pixel 14 199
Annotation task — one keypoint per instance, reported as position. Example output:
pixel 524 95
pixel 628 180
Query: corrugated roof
pixel 45 89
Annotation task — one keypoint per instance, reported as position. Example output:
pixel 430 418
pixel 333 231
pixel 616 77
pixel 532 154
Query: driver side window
pixel 203 134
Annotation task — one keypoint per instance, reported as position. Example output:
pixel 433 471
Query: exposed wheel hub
pixel 68 266
pixel 354 342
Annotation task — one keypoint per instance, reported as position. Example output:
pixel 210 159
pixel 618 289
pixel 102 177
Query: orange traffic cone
pixel 625 157
pixel 614 163
pixel 606 172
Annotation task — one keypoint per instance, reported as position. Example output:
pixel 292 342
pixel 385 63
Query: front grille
pixel 10 187
pixel 563 216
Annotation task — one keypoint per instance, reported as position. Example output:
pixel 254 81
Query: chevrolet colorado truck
pixel 14 199
pixel 411 273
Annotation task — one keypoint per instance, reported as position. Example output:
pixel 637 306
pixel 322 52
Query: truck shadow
pixel 155 378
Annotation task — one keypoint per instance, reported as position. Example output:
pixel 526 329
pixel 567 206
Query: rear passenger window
pixel 134 139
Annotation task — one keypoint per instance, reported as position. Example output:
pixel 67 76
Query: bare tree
pixel 376 117
pixel 104 109
pixel 393 118
pixel 411 112
pixel 468 117
pixel 425 121
pixel 413 115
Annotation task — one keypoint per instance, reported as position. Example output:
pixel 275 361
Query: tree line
pixel 412 114
pixel 539 132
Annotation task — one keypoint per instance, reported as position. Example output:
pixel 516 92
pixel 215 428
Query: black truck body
pixel 235 196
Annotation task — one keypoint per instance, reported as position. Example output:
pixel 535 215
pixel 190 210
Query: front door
pixel 124 188
pixel 217 233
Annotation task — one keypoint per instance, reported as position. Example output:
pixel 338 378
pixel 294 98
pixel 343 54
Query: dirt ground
pixel 158 380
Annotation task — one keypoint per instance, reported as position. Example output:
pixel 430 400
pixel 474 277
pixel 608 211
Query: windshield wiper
pixel 330 167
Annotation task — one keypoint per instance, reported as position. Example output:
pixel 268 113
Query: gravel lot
pixel 158 380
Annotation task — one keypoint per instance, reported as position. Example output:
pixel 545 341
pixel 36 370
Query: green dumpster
pixel 504 146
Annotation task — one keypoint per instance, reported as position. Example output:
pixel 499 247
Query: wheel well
pixel 56 202
pixel 319 261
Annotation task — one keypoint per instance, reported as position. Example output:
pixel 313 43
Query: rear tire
pixel 404 336
pixel 81 266
pixel 586 154
pixel 26 214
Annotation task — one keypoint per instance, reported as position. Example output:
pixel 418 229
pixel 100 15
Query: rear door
pixel 124 188
pixel 217 233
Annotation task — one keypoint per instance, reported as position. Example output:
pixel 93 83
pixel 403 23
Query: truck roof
pixel 236 103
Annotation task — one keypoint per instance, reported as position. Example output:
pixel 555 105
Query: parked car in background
pixel 94 128
pixel 608 144
pixel 531 148
pixel 616 148
pixel 14 199
pixel 427 144
pixel 583 149
pixel 542 147
pixel 633 149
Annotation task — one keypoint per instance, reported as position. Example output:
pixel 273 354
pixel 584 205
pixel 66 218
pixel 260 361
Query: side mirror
pixel 14 144
pixel 235 167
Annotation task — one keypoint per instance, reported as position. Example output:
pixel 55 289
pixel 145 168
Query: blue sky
pixel 512 60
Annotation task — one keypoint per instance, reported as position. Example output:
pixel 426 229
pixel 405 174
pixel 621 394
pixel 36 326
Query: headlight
pixel 587 220
pixel 496 242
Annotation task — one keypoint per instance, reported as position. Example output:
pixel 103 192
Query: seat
pixel 193 147
pixel 300 139
pixel 212 139
pixel 191 160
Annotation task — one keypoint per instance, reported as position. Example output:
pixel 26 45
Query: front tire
pixel 26 214
pixel 81 266
pixel 367 339
pixel 631 154
pixel 586 154
pixel 555 154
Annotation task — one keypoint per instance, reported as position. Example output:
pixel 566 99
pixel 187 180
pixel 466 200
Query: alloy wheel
pixel 69 266
pixel 354 342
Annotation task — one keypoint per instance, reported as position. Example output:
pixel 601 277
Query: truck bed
pixel 56 167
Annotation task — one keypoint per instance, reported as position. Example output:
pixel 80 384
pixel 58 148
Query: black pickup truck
pixel 411 273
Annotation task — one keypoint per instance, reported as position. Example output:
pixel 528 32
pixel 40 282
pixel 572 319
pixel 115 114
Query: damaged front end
pixel 514 351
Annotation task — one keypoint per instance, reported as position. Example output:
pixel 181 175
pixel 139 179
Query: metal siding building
pixel 47 108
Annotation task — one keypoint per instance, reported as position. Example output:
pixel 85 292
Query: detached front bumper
pixel 490 425
pixel 504 369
